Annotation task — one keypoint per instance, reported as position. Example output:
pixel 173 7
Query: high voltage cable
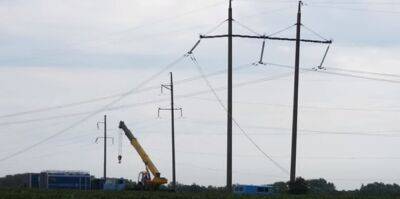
pixel 136 27
pixel 245 83
pixel 335 73
pixel 282 30
pixel 313 132
pixel 60 106
pixel 327 2
pixel 304 133
pixel 73 125
pixel 77 44
pixel 218 169
pixel 81 147
pixel 185 95
pixel 62 116
pixel 356 9
pixel 364 72
pixel 216 27
pixel 247 28
pixel 313 32
pixel 173 17
pixel 361 77
pixel 267 12
pixel 237 124
pixel 288 156
pixel 240 67
pixel 306 107
pixel 354 2
pixel 332 5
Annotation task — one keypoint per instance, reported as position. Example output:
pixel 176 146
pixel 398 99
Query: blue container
pixel 253 189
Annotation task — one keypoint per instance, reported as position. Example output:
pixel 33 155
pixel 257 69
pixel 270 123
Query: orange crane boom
pixel 144 176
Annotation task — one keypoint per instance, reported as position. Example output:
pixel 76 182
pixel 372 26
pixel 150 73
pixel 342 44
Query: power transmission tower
pixel 105 145
pixel 230 36
pixel 170 87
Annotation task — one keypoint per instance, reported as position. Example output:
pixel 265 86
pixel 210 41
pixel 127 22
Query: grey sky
pixel 58 52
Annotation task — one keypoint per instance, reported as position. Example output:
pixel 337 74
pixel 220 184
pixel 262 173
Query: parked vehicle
pixel 114 185
pixel 253 189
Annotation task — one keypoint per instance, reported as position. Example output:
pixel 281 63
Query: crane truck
pixel 144 178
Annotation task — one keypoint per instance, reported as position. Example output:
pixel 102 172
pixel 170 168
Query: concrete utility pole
pixel 170 87
pixel 105 145
pixel 295 98
pixel 229 114
pixel 173 132
pixel 230 35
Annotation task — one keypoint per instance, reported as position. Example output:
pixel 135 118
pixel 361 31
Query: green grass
pixel 68 194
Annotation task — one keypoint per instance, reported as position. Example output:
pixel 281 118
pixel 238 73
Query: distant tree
pixel 321 186
pixel 15 181
pixel 299 186
pixel 302 186
pixel 196 188
pixel 281 187
pixel 378 188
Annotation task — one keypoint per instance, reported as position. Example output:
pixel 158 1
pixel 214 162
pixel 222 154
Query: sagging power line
pixel 298 40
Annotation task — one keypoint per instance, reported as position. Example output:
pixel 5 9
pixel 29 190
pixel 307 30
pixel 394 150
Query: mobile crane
pixel 144 178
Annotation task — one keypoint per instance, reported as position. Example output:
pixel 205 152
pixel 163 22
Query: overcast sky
pixel 55 53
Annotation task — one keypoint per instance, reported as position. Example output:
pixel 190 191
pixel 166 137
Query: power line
pixel 200 70
pixel 93 100
pixel 326 2
pixel 131 29
pixel 25 149
pixel 282 30
pixel 246 27
pixel 355 2
pixel 216 27
pixel 335 73
pixel 356 9
pixel 198 93
pixel 179 96
pixel 378 133
pixel 61 106
pixel 267 12
pixel 218 169
pixel 114 108
pixel 172 17
pixel 361 77
pixel 358 157
pixel 313 32
pixel 306 106
pixel 365 72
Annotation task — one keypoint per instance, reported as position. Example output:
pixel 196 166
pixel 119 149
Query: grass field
pixel 64 194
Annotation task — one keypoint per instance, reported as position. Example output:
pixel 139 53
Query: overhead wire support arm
pixel 261 55
pixel 266 37
pixel 323 58
pixel 194 47
pixel 168 109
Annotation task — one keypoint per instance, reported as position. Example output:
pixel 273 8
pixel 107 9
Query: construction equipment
pixel 144 178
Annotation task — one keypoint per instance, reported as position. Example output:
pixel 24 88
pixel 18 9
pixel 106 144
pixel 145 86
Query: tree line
pixel 301 186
